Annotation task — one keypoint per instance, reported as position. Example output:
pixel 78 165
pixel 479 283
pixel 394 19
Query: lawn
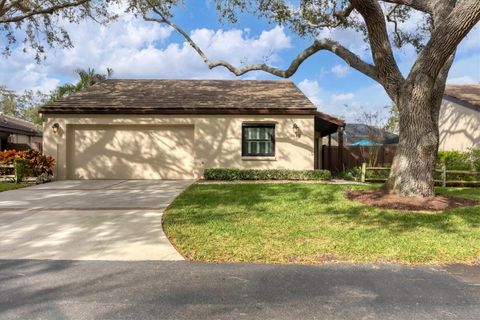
pixel 5 186
pixel 313 223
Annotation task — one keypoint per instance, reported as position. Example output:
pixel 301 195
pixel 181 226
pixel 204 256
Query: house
pixel 19 134
pixel 174 129
pixel 459 120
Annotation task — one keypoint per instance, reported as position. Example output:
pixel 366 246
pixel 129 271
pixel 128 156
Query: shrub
pixel 475 158
pixel 20 167
pixel 267 174
pixel 352 174
pixel 455 160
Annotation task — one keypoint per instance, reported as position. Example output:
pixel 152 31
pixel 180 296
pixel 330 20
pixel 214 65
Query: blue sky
pixel 138 49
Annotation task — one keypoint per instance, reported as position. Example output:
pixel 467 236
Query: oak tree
pixel 417 95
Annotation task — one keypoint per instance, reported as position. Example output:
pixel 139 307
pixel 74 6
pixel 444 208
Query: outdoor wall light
pixel 55 127
pixel 296 130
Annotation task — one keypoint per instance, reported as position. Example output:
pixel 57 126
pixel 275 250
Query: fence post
pixel 364 172
pixel 444 174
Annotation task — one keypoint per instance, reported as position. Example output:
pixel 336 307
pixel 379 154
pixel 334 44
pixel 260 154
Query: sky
pixel 134 48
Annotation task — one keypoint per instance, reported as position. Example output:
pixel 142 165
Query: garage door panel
pixel 131 152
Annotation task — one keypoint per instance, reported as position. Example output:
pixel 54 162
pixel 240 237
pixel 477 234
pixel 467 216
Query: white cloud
pixel 350 38
pixel 471 41
pixel 340 71
pixel 134 48
pixel 465 69
pixel 312 90
pixel 342 97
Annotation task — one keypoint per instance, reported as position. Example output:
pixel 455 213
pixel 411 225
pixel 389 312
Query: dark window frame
pixel 245 140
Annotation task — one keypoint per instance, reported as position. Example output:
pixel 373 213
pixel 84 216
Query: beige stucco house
pixel 460 118
pixel 174 129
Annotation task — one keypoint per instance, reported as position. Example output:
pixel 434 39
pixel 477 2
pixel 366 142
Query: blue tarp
pixel 366 143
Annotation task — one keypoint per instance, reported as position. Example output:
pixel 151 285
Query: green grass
pixel 5 186
pixel 314 223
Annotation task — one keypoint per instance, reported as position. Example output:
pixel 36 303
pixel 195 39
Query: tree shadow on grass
pixel 202 204
pixel 397 221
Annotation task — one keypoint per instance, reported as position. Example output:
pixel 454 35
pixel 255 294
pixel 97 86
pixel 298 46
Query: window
pixel 258 140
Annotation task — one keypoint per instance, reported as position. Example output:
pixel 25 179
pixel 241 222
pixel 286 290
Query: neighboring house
pixel 18 134
pixel 459 122
pixel 174 129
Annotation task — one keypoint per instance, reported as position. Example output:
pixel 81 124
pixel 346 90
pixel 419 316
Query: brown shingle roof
pixel 469 93
pixel 15 125
pixel 186 97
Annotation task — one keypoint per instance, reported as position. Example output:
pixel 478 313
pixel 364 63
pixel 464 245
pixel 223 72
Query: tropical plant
pixel 36 164
pixel 87 77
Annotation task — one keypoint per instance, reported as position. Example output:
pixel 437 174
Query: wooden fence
pixel 443 181
pixel 355 156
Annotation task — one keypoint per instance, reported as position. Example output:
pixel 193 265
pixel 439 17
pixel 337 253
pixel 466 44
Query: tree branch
pixel 41 11
pixel 446 36
pixel 419 5
pixel 318 45
pixel 388 71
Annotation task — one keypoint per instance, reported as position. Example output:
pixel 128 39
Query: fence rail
pixel 7 172
pixel 443 170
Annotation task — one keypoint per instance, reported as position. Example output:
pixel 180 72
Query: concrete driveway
pixel 88 220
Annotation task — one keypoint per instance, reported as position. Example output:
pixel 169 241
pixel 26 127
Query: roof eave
pixel 180 111
pixel 329 118
pixel 461 102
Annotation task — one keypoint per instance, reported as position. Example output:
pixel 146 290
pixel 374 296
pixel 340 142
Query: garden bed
pixel 381 199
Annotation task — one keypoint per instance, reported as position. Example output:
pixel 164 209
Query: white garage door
pixel 130 152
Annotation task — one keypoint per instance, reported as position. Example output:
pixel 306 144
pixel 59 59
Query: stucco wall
pixel 459 127
pixel 217 139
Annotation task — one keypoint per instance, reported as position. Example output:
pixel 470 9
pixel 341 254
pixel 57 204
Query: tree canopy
pixel 22 105
pixel 43 21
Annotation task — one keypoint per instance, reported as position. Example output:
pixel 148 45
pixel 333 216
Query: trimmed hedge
pixel 267 174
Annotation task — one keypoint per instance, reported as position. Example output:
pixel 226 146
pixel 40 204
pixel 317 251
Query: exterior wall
pixel 217 139
pixel 459 127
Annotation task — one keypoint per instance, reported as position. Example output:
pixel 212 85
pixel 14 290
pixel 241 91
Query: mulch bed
pixel 381 199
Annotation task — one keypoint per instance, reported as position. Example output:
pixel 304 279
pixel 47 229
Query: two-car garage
pixel 130 151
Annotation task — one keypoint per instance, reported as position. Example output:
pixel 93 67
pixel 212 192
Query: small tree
pixel 372 122
pixel 8 103
pixel 392 124
pixel 418 95
pixel 22 105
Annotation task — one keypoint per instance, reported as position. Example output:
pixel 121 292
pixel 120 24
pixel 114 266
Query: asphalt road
pixel 186 290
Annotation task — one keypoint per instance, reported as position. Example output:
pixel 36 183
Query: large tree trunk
pixel 413 167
